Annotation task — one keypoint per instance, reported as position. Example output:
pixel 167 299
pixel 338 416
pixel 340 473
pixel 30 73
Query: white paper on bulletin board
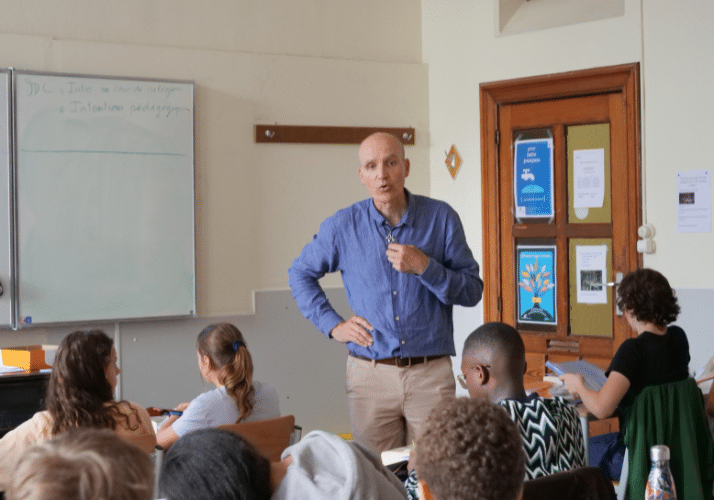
pixel 591 271
pixel 589 181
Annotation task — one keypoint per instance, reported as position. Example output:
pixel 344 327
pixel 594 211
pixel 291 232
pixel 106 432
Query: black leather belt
pixel 401 362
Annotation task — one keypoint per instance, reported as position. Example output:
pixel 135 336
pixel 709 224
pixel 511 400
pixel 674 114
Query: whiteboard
pixel 104 181
pixel 6 315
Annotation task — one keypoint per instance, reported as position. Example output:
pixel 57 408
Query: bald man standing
pixel 404 263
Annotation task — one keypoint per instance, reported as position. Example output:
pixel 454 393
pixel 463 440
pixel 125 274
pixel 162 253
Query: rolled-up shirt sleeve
pixel 456 281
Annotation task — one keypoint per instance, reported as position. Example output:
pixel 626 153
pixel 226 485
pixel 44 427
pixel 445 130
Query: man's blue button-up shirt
pixel 411 315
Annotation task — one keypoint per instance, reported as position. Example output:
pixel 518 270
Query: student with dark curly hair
pixel 83 464
pixel 470 448
pixel 224 361
pixel 80 394
pixel 659 353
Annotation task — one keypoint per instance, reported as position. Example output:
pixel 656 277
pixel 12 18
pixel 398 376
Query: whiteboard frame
pixel 7 304
pixel 17 324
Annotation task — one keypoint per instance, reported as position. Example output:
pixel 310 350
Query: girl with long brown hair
pixel 80 394
pixel 224 361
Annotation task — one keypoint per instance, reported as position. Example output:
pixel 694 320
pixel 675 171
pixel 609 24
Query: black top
pixel 651 359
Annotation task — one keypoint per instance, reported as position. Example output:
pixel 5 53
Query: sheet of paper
pixel 694 202
pixel 589 178
pixel 591 271
pixel 10 369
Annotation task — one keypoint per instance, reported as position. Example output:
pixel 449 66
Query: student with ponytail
pixel 224 361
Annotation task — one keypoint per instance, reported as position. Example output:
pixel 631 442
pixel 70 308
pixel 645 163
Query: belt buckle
pixel 400 362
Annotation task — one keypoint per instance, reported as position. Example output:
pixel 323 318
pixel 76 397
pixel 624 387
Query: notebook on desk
pixel 594 375
pixel 396 455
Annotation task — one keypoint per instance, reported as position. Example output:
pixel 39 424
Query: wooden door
pixel 574 118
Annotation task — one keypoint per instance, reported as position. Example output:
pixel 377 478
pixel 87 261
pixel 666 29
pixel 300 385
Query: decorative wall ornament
pixel 453 161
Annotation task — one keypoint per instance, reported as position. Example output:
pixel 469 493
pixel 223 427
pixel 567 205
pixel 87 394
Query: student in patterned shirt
pixel 492 366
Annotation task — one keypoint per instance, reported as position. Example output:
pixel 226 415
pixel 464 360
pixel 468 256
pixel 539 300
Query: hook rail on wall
pixel 305 134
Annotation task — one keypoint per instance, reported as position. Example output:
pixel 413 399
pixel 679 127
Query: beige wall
pixel 678 62
pixel 357 30
pixel 670 40
pixel 337 63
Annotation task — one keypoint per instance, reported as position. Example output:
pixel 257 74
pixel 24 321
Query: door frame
pixel 622 79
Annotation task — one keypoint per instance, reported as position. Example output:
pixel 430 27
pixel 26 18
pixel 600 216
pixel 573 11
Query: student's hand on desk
pixel 573 382
pixel 353 330
pixel 154 411
pixel 407 258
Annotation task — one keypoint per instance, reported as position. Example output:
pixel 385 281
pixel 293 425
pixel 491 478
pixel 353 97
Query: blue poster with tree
pixel 536 284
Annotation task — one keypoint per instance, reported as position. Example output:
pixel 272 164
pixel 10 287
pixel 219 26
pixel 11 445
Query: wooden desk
pixel 22 395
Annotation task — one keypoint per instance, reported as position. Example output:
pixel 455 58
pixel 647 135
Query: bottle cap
pixel 659 452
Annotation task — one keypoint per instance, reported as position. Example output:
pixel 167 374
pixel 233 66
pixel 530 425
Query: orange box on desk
pixel 30 357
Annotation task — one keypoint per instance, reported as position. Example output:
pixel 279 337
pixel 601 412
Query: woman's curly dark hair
pixel 470 448
pixel 647 295
pixel 78 393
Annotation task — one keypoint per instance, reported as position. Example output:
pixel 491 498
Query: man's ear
pixel 482 374
pixel 525 367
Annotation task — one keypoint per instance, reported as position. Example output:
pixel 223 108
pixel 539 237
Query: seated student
pixel 83 464
pixel 493 364
pixel 80 394
pixel 660 353
pixel 220 465
pixel 224 361
pixel 470 448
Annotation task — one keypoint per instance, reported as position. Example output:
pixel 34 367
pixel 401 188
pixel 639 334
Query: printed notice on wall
pixel 694 201
pixel 591 270
pixel 589 181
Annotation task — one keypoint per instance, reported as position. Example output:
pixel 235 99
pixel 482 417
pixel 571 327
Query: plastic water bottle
pixel 660 483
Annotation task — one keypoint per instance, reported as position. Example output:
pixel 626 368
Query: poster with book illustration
pixel 536 284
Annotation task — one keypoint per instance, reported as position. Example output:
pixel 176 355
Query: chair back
pixel 671 414
pixel 145 442
pixel 270 437
pixel 576 484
